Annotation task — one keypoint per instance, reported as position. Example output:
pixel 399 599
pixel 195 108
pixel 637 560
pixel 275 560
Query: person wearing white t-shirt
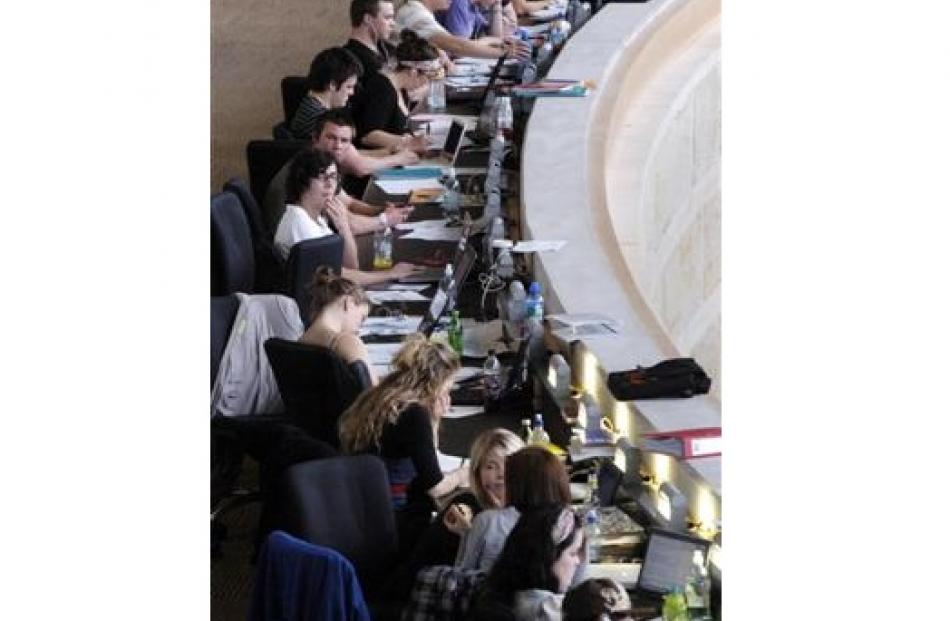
pixel 417 15
pixel 314 210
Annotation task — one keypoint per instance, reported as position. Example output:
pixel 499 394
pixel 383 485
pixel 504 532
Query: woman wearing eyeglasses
pixel 381 110
pixel 314 210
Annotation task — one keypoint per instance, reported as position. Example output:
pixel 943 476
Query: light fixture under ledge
pixel 666 506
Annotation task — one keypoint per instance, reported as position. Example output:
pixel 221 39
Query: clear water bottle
pixel 593 489
pixel 545 51
pixel 592 532
pixel 504 117
pixel 526 430
pixel 492 379
pixel 486 117
pixel 506 265
pixel 451 197
pixel 538 435
pixel 455 333
pixel 496 148
pixel 698 590
pixel 529 73
pixel 383 249
pixel 515 308
pixel 534 303
pixel 437 95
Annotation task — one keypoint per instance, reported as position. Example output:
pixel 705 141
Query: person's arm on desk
pixel 355 163
pixel 523 7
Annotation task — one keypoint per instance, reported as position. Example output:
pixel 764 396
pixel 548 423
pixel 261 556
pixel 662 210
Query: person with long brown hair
pixel 398 420
pixel 337 311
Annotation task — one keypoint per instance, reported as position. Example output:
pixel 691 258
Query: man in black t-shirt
pixel 372 22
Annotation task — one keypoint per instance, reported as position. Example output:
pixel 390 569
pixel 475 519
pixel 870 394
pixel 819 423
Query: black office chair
pixel 344 503
pixel 293 89
pixel 265 158
pixel 315 384
pixel 232 251
pixel 269 274
pixel 303 261
pixel 281 131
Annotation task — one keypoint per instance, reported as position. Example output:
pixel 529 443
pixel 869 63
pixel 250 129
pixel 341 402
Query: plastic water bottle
pixel 451 198
pixel 593 487
pixel 529 73
pixel 504 117
pixel 492 380
pixel 545 51
pixel 437 95
pixel 538 435
pixel 455 333
pixel 506 265
pixel 496 149
pixel 592 531
pixel 383 249
pixel 487 115
pixel 534 303
pixel 697 590
pixel 526 430
pixel 515 308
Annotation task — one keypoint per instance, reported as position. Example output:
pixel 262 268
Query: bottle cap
pixel 502 244
pixel 534 288
pixel 491 352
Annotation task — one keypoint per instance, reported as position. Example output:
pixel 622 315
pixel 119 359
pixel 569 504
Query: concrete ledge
pixel 573 156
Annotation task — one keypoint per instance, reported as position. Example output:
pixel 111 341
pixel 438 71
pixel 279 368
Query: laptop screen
pixel 444 301
pixel 668 560
pixel 453 140
pixel 491 81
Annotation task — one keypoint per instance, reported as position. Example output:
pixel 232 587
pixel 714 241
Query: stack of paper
pixel 378 297
pixel 539 245
pixel 388 326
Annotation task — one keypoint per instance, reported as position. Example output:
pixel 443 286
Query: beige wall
pixel 254 43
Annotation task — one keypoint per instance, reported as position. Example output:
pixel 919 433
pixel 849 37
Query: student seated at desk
pixel 597 599
pixel 330 83
pixel 534 478
pixel 371 23
pixel 541 555
pixel 337 310
pixel 398 420
pixel 315 210
pixel 473 19
pixel 382 108
pixel 418 16
pixel 334 136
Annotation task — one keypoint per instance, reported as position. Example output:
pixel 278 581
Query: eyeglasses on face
pixel 328 177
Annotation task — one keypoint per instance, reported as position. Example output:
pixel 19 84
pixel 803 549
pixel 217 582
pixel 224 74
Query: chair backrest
pixel 232 250
pixel 344 503
pixel 293 88
pixel 305 582
pixel 281 131
pixel 316 385
pixel 269 276
pixel 304 259
pixel 265 158
pixel 223 311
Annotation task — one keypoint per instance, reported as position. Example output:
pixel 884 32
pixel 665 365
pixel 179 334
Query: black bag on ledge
pixel 677 377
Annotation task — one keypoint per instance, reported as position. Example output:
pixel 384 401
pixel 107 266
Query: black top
pixel 408 449
pixel 377 107
pixel 371 60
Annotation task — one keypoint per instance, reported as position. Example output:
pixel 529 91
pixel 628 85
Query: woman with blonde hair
pixel 337 311
pixel 398 420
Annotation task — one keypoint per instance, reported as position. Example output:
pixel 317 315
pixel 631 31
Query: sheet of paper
pixel 463 411
pixel 539 245
pixel 382 353
pixel 467 81
pixel 378 297
pixel 466 372
pixel 435 233
pixel 405 186
pixel 406 287
pixel 479 337
pixel 448 463
pixel 388 326
pixel 422 224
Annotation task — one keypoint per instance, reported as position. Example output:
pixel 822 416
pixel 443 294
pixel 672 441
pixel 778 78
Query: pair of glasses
pixel 328 177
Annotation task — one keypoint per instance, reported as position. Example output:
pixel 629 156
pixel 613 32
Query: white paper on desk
pixel 387 326
pixel 378 297
pixel 463 411
pixel 435 233
pixel 422 224
pixel 467 81
pixel 469 69
pixel 539 245
pixel 382 353
pixel 466 372
pixel 479 337
pixel 448 463
pixel 405 186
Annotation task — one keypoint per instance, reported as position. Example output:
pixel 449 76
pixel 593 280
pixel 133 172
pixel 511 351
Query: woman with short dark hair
pixel 330 84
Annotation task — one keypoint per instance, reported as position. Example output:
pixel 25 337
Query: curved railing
pixel 629 175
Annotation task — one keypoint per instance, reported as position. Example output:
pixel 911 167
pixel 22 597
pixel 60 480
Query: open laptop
pixel 435 274
pixel 445 296
pixel 447 153
pixel 666 563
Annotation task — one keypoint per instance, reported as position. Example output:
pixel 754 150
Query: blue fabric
pixel 462 18
pixel 299 581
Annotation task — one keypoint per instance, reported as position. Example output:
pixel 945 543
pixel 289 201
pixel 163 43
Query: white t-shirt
pixel 416 17
pixel 296 226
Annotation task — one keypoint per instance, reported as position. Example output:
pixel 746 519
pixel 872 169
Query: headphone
pixel 380 44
